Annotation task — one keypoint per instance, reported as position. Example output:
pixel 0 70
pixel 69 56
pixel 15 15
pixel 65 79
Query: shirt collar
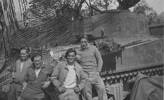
pixel 42 66
pixel 70 66
pixel 75 64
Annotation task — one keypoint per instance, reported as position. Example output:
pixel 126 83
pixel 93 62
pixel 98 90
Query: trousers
pixel 95 80
pixel 69 94
pixel 15 91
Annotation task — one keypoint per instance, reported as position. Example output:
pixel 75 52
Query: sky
pixel 157 5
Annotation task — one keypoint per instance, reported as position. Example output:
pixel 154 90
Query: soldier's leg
pixel 87 91
pixel 69 94
pixel 12 95
pixel 100 88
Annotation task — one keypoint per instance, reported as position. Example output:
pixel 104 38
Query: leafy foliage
pixel 126 4
pixel 143 8
pixel 56 8
pixel 43 10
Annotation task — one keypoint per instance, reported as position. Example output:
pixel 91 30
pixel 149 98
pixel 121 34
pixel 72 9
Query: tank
pixel 123 38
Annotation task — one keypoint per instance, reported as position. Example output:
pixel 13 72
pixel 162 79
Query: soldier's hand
pixel 78 57
pixel 62 89
pixel 77 89
pixel 24 85
pixel 13 75
pixel 46 84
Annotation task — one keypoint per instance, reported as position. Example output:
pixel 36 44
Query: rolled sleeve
pixel 99 59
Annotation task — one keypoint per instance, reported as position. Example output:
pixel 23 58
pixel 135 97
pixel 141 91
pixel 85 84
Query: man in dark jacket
pixel 36 78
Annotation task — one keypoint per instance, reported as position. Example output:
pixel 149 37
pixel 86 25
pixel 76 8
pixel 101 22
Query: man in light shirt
pixel 69 77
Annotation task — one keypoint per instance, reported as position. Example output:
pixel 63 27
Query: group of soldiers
pixel 73 78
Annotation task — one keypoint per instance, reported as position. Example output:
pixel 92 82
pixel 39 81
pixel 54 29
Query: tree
pixel 44 10
pixel 126 4
pixel 103 6
pixel 46 7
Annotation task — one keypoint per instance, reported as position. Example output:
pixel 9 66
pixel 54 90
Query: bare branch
pixel 93 7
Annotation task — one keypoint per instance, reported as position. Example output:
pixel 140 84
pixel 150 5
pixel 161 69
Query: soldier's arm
pixel 83 78
pixel 54 76
pixel 99 60
pixel 25 79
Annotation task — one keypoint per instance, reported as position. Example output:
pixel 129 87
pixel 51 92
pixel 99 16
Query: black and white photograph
pixel 81 49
